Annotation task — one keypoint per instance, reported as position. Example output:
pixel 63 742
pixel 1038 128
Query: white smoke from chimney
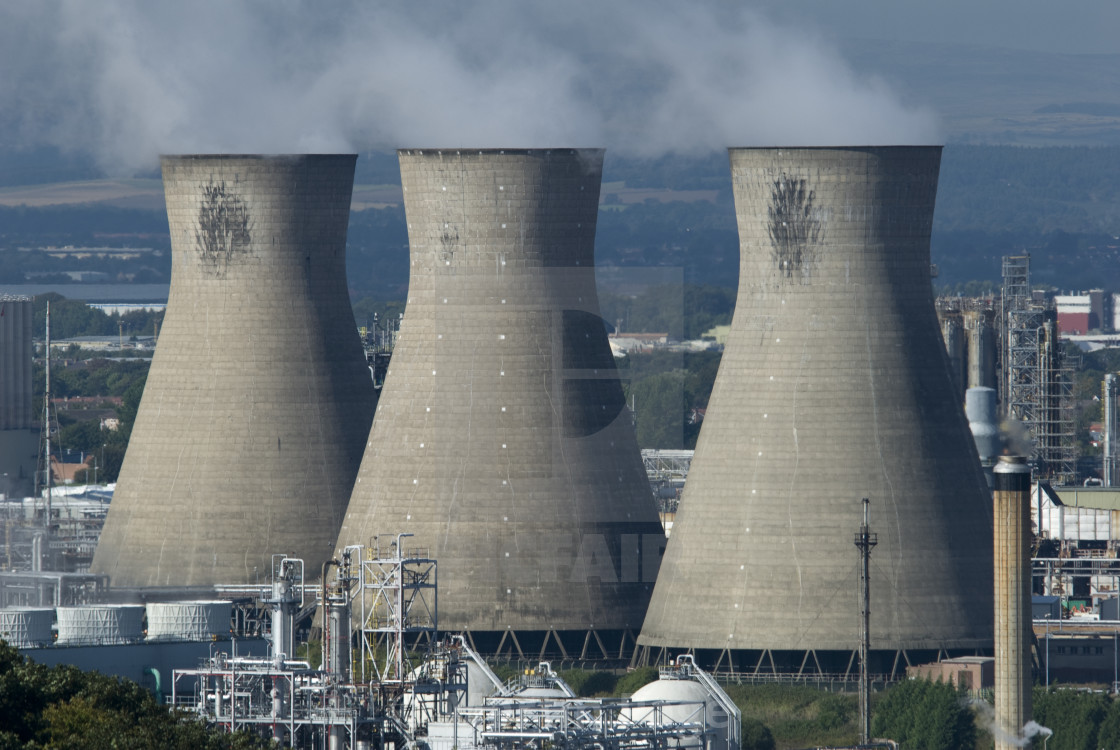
pixel 987 719
pixel 128 79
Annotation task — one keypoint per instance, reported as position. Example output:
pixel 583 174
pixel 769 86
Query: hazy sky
pixel 1066 26
pixel 129 79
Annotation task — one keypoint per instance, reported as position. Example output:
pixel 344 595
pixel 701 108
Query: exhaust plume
pixel 126 80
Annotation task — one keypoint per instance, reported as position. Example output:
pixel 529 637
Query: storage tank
pixel 982 341
pixel 258 402
pixel 26 627
pixel 502 440
pixel 834 386
pixel 188 621
pixel 100 624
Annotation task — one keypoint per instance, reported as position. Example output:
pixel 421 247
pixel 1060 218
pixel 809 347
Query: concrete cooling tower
pixel 834 386
pixel 502 439
pixel 258 401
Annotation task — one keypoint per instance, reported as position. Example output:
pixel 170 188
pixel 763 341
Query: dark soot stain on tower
pixel 258 402
pixel 834 386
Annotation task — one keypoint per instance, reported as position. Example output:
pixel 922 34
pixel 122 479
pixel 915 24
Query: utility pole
pixel 864 541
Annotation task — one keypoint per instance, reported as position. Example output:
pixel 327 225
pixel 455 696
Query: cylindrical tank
pixel 982 339
pixel 1013 599
pixel 952 333
pixel 339 656
pixel 15 363
pixel 188 621
pixel 502 438
pixel 834 386
pixel 100 624
pixel 980 408
pixel 26 627
pixel 258 402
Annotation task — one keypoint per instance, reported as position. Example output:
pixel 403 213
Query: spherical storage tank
pixel 188 621
pixel 26 627
pixel 100 624
pixel 687 702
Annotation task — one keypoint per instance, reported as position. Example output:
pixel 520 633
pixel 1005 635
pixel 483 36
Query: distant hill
pixel 1060 203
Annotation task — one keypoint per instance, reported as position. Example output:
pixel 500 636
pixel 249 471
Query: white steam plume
pixel 128 79
pixel 987 716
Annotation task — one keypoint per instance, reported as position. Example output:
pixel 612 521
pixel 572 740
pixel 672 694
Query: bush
pixel 925 715
pixel 1075 717
pixel 756 735
pixel 65 707
pixel 629 683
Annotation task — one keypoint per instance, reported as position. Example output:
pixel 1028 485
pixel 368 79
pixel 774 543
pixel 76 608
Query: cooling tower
pixel 502 439
pixel 258 401
pixel 834 386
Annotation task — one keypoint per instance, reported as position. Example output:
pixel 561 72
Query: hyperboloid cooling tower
pixel 834 386
pixel 258 401
pixel 502 439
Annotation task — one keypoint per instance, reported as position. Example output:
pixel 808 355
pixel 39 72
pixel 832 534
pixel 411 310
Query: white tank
pixel 698 705
pixel 188 621
pixel 26 627
pixel 100 624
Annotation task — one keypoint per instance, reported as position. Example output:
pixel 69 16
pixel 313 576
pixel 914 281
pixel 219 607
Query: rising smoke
pixel 128 79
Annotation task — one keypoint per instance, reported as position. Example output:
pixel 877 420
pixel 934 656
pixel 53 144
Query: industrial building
pixel 834 386
pixel 502 438
pixel 19 434
pixel 258 401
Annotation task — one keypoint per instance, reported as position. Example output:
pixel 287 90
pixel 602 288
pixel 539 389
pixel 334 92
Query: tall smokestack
pixel 834 385
pixel 258 401
pixel 502 439
pixel 1013 599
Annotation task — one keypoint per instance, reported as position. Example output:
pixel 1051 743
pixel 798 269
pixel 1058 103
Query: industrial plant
pixel 271 457
pixel 258 401
pixel 502 437
pixel 834 386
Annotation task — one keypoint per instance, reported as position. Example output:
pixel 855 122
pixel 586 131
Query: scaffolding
pixel 398 605
pixel 1037 383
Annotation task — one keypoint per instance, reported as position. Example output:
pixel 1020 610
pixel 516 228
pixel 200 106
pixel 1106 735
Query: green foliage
pixel 665 387
pixel 65 707
pixel 587 684
pixel 756 735
pixel 1109 733
pixel 629 683
pixel 73 317
pixel 366 307
pixel 924 715
pixel 796 715
pixel 1075 717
